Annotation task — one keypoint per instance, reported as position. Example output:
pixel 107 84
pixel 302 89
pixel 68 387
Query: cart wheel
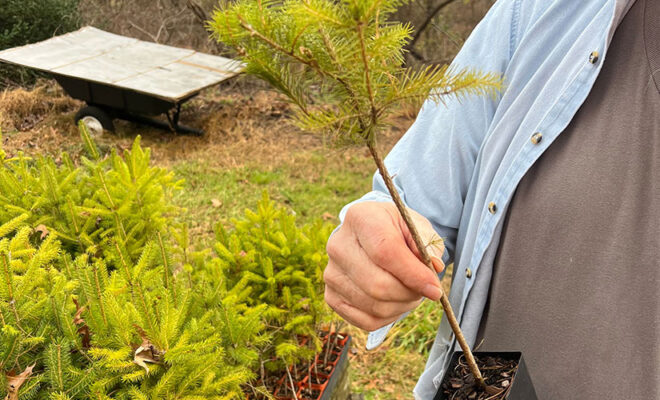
pixel 95 119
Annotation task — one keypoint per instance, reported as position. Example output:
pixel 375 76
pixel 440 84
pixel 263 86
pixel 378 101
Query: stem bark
pixel 426 259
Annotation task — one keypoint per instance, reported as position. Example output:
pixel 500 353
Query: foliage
pixel 128 309
pixel 417 331
pixel 340 63
pixel 30 21
pixel 91 206
pixel 268 260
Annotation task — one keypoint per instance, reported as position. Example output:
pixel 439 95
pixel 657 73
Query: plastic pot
pixel 520 388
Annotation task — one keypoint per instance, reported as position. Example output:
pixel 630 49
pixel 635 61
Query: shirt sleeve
pixel 434 161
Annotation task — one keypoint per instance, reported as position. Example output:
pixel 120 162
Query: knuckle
pixel 329 275
pixel 333 246
pixel 353 213
pixel 384 250
pixel 378 288
pixel 331 299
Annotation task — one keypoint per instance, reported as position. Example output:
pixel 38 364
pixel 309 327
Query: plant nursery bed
pixel 504 372
pixel 324 378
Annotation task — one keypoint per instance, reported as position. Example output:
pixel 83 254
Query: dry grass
pixel 22 110
pixel 244 125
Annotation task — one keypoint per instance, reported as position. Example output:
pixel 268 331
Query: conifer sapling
pixel 341 64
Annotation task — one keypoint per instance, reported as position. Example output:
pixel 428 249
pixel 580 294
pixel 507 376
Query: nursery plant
pixel 101 319
pixel 268 260
pixel 342 65
pixel 103 296
pixel 87 207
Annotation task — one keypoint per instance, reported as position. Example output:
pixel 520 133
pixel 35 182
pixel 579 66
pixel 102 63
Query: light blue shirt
pixel 460 163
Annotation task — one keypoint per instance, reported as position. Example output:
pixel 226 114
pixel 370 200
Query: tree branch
pixel 418 33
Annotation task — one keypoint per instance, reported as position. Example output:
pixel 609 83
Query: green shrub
pixel 106 199
pixel 103 296
pixel 30 21
pixel 268 260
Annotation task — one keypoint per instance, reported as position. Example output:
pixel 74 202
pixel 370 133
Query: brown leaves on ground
pixel 22 109
pixel 14 382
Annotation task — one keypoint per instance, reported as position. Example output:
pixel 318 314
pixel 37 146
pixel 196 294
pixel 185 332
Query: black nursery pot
pixel 521 385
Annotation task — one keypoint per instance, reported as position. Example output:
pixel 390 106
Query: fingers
pixel 386 246
pixel 355 315
pixel 340 284
pixel 374 274
pixel 345 254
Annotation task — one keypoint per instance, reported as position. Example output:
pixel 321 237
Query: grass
pixel 311 187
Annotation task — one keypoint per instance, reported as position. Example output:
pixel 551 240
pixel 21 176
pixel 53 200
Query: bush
pixel 269 260
pixel 30 21
pixel 103 296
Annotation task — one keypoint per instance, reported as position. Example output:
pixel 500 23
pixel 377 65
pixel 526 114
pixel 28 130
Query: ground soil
pixel 498 373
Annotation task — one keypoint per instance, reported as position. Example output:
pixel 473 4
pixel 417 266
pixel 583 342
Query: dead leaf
pixel 14 382
pixel 43 229
pixel 83 329
pixel 216 203
pixel 146 352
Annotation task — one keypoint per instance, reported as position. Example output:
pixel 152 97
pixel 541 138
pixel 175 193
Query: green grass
pixel 311 187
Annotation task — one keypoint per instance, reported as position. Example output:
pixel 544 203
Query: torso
pixel 576 282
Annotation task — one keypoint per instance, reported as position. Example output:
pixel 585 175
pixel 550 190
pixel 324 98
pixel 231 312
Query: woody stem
pixel 426 259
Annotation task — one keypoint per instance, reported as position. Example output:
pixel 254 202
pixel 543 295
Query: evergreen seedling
pixel 340 63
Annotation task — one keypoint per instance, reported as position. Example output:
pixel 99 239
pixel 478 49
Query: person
pixel 547 198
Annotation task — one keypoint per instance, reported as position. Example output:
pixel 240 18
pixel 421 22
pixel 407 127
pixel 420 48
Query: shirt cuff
pixel 377 337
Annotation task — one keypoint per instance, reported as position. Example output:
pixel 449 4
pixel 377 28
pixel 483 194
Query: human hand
pixel 374 273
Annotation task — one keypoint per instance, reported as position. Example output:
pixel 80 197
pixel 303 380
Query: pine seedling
pixel 341 64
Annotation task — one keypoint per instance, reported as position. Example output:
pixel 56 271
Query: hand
pixel 374 273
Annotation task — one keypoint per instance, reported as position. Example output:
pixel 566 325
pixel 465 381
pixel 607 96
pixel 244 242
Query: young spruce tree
pixel 341 64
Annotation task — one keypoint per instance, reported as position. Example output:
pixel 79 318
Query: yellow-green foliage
pixel 87 207
pixel 102 296
pixel 340 62
pixel 268 260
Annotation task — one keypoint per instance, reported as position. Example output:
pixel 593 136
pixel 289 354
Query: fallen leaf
pixel 216 203
pixel 456 383
pixel 83 329
pixel 43 229
pixel 14 382
pixel 146 352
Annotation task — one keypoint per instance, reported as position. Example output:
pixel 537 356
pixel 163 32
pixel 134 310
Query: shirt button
pixel 468 273
pixel 537 137
pixel 492 207
pixel 593 57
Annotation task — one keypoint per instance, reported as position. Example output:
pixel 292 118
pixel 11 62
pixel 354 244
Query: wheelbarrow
pixel 124 78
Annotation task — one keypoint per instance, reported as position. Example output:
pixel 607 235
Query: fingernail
pixel 432 292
